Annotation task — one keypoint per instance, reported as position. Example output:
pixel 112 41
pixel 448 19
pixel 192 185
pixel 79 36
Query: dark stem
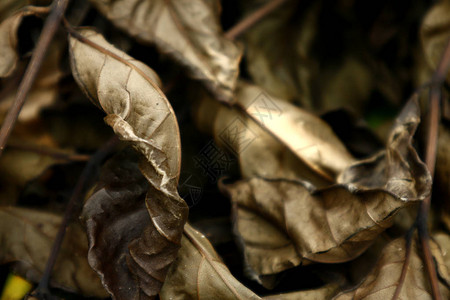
pixel 250 20
pixel 430 160
pixel 91 166
pixel 47 34
pixel 408 239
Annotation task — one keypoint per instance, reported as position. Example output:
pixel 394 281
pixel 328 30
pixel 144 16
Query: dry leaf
pixel 280 222
pixel 9 40
pixel 199 273
pixel 382 282
pixel 323 293
pixel 137 110
pixel 282 66
pixel 27 237
pixel 251 134
pixel 189 31
pixel 435 33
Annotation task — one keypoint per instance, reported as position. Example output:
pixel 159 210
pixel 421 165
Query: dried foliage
pixel 299 123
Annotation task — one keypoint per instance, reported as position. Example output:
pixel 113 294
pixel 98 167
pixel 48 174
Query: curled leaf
pixel 189 31
pixel 9 40
pixel 199 273
pixel 27 237
pixel 384 279
pixel 281 222
pixel 127 91
pixel 265 128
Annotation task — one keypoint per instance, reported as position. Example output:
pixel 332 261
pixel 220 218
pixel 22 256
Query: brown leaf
pixel 137 110
pixel 434 33
pixel 27 237
pixel 384 279
pixel 9 40
pixel 266 128
pixel 280 222
pixel 199 273
pixel 326 292
pixel 189 31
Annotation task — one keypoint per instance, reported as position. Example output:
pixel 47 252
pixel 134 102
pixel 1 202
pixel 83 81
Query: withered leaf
pixel 280 222
pixel 188 31
pixel 384 279
pixel 9 40
pixel 27 237
pixel 265 125
pixel 199 273
pixel 138 111
pixel 434 33
pixel 323 293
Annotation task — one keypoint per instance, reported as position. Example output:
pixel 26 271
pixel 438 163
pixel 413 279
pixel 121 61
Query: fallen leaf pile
pixel 279 159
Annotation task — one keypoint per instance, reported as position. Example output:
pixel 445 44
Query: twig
pixel 408 242
pixel 47 34
pixel 54 153
pixel 252 19
pixel 430 160
pixel 96 159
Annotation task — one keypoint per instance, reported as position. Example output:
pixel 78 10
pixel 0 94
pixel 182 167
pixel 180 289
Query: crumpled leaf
pixel 383 280
pixel 27 237
pixel 9 40
pixel 434 33
pixel 281 222
pixel 270 125
pixel 199 273
pixel 188 31
pixel 138 111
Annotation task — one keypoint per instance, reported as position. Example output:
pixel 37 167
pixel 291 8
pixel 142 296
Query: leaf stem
pixel 88 171
pixel 408 242
pixel 250 20
pixel 47 34
pixel 54 153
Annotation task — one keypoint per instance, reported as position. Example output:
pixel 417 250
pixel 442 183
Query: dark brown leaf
pixel 137 110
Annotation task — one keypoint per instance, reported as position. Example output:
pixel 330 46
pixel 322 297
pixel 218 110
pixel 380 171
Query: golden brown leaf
pixel 199 273
pixel 189 31
pixel 384 279
pixel 264 126
pixel 27 237
pixel 127 91
pixel 280 222
pixel 323 293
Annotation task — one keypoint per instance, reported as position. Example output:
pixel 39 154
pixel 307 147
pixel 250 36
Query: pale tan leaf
pixel 127 91
pixel 199 273
pixel 265 129
pixel 27 237
pixel 187 30
pixel 384 279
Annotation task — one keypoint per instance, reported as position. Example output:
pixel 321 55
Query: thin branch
pixel 250 20
pixel 47 34
pixel 430 160
pixel 408 242
pixel 94 162
pixel 54 153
